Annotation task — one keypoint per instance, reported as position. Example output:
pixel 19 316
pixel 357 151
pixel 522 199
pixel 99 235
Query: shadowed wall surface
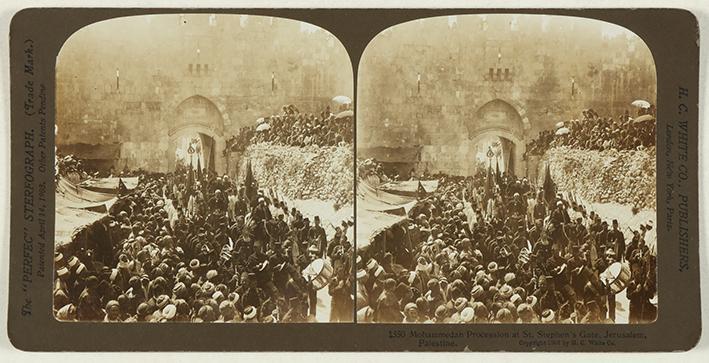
pixel 443 83
pixel 137 83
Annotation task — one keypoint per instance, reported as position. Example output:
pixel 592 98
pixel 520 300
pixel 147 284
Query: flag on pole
pixel 250 186
pixel 488 184
pixel 190 175
pixel 510 164
pixel 420 191
pixel 199 168
pixel 122 189
pixel 549 186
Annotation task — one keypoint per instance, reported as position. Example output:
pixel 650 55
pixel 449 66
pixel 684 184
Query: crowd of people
pixel 72 165
pixel 294 128
pixel 371 168
pixel 593 132
pixel 510 253
pixel 198 247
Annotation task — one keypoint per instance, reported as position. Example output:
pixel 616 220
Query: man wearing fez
pixel 303 233
pixel 316 234
pixel 340 287
pixel 616 240
pixel 640 290
pixel 260 215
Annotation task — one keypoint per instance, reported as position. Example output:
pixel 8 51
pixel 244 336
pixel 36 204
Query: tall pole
pixel 490 154
pixel 190 151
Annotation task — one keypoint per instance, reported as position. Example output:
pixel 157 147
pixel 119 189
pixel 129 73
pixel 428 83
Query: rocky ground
pixel 324 173
pixel 625 177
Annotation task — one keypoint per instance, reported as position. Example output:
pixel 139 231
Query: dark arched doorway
pixel 498 126
pixel 197 123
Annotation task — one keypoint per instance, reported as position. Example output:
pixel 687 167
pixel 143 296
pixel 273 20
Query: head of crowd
pixel 503 251
pixel 593 132
pixel 291 127
pixel 199 247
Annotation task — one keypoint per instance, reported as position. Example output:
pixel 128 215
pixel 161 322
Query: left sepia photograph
pixel 204 172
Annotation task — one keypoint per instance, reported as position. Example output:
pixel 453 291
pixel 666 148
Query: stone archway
pixel 513 149
pixel 194 116
pixel 498 118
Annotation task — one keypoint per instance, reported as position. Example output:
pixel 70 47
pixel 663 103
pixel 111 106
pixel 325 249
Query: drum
pixel 616 276
pixel 319 273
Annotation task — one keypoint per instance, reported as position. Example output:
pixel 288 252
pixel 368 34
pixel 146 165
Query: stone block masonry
pixel 433 82
pixel 166 76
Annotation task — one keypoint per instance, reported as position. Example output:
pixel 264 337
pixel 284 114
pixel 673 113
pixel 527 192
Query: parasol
pixel 343 100
pixel 562 131
pixel 344 114
pixel 643 118
pixel 263 127
pixel 260 120
pixel 559 124
pixel 641 104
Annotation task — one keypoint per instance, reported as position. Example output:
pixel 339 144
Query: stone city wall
pixel 238 68
pixel 427 82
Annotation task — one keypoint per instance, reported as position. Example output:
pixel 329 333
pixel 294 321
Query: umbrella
pixel 559 124
pixel 343 100
pixel 263 127
pixel 260 120
pixel 343 114
pixel 562 131
pixel 641 104
pixel 643 118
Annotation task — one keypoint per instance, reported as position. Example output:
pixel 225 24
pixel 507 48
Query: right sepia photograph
pixel 506 173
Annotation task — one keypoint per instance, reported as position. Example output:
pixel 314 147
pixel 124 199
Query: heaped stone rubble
pixel 625 177
pixel 324 173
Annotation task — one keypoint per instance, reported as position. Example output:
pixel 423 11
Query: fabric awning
pixel 378 210
pixel 371 223
pixel 69 220
pixel 409 187
pixel 108 185
pixel 73 196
